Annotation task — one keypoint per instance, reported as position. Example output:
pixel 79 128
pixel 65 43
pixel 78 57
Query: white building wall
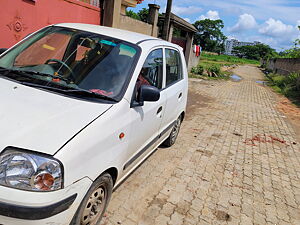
pixel 230 44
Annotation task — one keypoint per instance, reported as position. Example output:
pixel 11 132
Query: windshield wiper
pixel 26 72
pixel 90 93
pixel 75 91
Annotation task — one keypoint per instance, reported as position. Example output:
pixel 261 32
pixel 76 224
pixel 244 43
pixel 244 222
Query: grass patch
pixel 288 86
pixel 210 66
pixel 226 60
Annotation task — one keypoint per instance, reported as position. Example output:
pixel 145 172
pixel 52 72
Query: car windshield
pixel 73 59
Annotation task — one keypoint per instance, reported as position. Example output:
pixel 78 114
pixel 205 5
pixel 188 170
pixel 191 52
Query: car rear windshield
pixel 83 60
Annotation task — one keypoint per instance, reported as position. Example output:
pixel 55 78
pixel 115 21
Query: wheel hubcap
pixel 94 207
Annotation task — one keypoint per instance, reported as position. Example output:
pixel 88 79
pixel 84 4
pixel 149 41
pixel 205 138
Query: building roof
pixel 181 23
pixel 125 35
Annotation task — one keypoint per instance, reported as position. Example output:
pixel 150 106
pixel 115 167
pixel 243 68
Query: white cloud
pixel 212 15
pixel 276 28
pixel 245 22
pixel 186 10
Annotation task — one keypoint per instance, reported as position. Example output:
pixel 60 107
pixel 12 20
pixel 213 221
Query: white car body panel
pixel 84 135
pixel 31 199
pixel 39 120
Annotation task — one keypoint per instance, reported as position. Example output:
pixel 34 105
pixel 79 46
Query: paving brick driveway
pixel 236 161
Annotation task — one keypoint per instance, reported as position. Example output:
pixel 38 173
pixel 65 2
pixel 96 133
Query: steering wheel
pixel 64 64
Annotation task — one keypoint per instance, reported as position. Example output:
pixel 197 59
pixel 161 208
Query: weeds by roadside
pixel 209 71
pixel 213 66
pixel 288 85
pixel 225 60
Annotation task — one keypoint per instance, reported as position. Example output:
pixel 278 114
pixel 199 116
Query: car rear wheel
pixel 94 204
pixel 174 133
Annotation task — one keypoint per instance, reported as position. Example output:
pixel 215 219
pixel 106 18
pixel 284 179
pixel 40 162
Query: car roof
pixel 132 37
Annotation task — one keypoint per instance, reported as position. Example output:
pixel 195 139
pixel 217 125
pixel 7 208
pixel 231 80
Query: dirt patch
pixel 196 101
pixel 205 152
pixel 221 215
pixel 292 112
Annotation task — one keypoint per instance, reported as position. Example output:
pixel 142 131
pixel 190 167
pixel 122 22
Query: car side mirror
pixel 2 50
pixel 147 93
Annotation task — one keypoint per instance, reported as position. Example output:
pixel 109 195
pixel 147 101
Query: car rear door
pixel 175 88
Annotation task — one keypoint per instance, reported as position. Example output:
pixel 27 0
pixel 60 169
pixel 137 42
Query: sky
pixel 272 22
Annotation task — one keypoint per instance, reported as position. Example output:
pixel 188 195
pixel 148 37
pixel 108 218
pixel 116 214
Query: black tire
pixel 95 202
pixel 174 133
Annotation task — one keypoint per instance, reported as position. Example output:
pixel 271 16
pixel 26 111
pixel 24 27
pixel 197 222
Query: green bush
pixel 198 70
pixel 288 85
pixel 277 89
pixel 216 69
pixel 279 80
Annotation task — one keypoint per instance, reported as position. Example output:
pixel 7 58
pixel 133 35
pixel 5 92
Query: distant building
pixel 232 43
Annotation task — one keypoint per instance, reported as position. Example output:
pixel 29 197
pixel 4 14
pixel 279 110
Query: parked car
pixel 81 107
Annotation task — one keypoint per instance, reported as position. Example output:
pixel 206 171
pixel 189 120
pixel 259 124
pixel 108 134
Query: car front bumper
pixel 19 207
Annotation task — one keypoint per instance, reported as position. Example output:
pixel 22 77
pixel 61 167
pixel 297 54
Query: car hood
pixel 41 121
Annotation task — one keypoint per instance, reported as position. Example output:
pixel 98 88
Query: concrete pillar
pixel 189 46
pixel 170 35
pixel 153 18
pixel 112 13
pixel 167 21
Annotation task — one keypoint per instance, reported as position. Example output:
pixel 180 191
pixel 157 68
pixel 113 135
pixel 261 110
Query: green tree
pixel 141 15
pixel 133 15
pixel 210 35
pixel 293 52
pixel 144 14
pixel 256 52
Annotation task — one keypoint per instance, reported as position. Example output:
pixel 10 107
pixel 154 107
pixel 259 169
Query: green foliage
pixel 255 52
pixel 133 15
pixel 226 60
pixel 198 70
pixel 176 32
pixel 214 69
pixel 210 35
pixel 290 53
pixel 279 81
pixel 142 15
pixel 293 52
pixel 288 85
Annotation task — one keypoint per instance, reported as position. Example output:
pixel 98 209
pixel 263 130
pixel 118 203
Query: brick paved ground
pixel 211 175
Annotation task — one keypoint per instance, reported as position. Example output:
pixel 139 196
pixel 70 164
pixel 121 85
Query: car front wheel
pixel 94 204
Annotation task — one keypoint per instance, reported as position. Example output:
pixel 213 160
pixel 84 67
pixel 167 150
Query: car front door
pixel 147 119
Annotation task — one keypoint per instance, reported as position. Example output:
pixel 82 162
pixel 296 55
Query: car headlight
pixel 30 171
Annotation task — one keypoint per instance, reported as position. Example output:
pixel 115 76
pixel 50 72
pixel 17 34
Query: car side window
pixel 152 71
pixel 173 66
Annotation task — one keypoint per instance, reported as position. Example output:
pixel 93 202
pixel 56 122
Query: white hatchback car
pixel 81 107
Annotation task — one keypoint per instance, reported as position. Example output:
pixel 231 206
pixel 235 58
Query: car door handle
pixel 159 110
pixel 180 95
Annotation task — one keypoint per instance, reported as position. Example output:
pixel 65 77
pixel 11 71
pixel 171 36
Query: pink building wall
pixel 19 18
